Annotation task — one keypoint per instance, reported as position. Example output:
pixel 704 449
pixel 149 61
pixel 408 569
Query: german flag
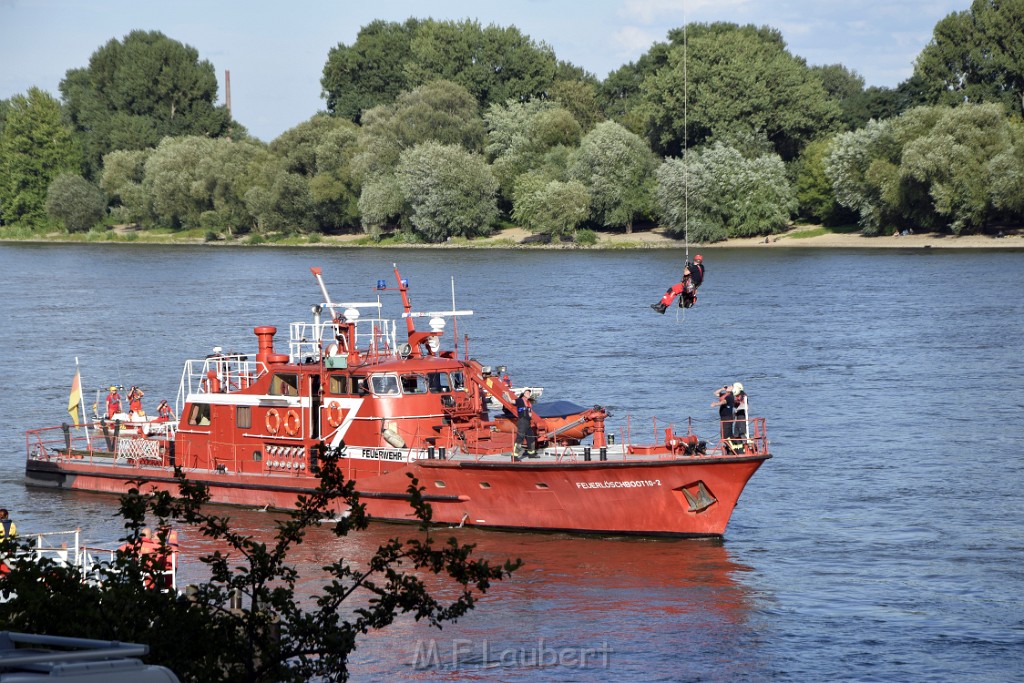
pixel 75 399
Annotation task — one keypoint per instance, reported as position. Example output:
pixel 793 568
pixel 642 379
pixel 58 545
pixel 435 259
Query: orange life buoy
pixel 273 421
pixel 334 415
pixel 291 423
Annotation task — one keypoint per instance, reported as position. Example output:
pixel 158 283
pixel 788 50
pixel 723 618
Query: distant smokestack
pixel 227 89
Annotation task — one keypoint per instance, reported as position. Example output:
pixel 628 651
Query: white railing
pixel 374 337
pixel 232 373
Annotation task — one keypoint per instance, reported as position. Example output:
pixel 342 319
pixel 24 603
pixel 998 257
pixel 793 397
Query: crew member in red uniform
pixel 164 411
pixel 135 401
pixel 113 403
pixel 686 289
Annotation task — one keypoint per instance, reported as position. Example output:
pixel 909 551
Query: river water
pixel 884 541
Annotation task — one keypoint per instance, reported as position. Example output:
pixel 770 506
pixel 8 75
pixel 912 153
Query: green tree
pixel 321 150
pixel 440 111
pixel 35 148
pixel 334 189
pixel 551 207
pixel 75 202
pixel 864 169
pixel 197 182
pixel 371 71
pixel 381 204
pixel 494 64
pixel 621 93
pixel 724 195
pixel 276 635
pixel 734 80
pixel 286 205
pixel 976 56
pixel 520 135
pixel 175 182
pixel 617 169
pixel 846 87
pixel 386 59
pixel 137 91
pixel 580 98
pixel 450 192
pixel 5 107
pixel 856 162
pixel 123 174
pixel 815 198
pixel 959 155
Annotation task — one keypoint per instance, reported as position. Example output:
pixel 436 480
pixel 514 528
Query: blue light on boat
pixel 405 283
pixel 381 284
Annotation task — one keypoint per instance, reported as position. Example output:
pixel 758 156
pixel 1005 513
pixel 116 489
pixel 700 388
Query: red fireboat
pixel 251 428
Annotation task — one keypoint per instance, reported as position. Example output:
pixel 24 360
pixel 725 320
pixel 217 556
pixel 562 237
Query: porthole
pixel 439 484
pixel 484 485
pixel 541 486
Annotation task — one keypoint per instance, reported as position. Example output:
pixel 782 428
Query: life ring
pixel 334 415
pixel 273 421
pixel 291 423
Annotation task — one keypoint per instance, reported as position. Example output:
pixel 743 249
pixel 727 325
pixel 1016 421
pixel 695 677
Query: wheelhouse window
pixel 414 384
pixel 199 415
pixel 284 385
pixel 439 382
pixel 243 417
pixel 458 381
pixel 338 385
pixel 358 386
pixel 384 385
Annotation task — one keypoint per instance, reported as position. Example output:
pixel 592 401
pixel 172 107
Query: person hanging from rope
pixel 686 288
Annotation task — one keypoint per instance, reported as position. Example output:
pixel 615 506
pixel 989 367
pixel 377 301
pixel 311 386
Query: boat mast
pixel 323 289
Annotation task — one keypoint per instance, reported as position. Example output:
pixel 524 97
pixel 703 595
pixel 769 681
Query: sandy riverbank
pixel 792 239
pixel 648 239
pixel 656 239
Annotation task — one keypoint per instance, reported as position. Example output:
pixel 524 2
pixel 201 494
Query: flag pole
pixel 81 404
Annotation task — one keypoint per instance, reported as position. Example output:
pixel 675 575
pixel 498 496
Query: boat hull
pixel 682 497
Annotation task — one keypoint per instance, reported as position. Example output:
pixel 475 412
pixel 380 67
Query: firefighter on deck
pixel 685 289
pixel 135 401
pixel 164 411
pixel 524 427
pixel 113 403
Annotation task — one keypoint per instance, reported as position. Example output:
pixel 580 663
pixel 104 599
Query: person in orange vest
pixel 113 403
pixel 135 401
pixel 164 411
pixel 685 289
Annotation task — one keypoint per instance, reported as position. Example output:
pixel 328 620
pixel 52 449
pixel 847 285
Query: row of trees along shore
pixel 435 130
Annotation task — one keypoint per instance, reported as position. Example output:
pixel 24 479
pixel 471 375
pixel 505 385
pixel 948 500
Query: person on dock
pixel 686 288
pixel 525 435
pixel 726 405
pixel 113 403
pixel 8 529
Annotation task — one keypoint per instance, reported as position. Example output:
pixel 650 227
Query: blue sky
pixel 276 51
